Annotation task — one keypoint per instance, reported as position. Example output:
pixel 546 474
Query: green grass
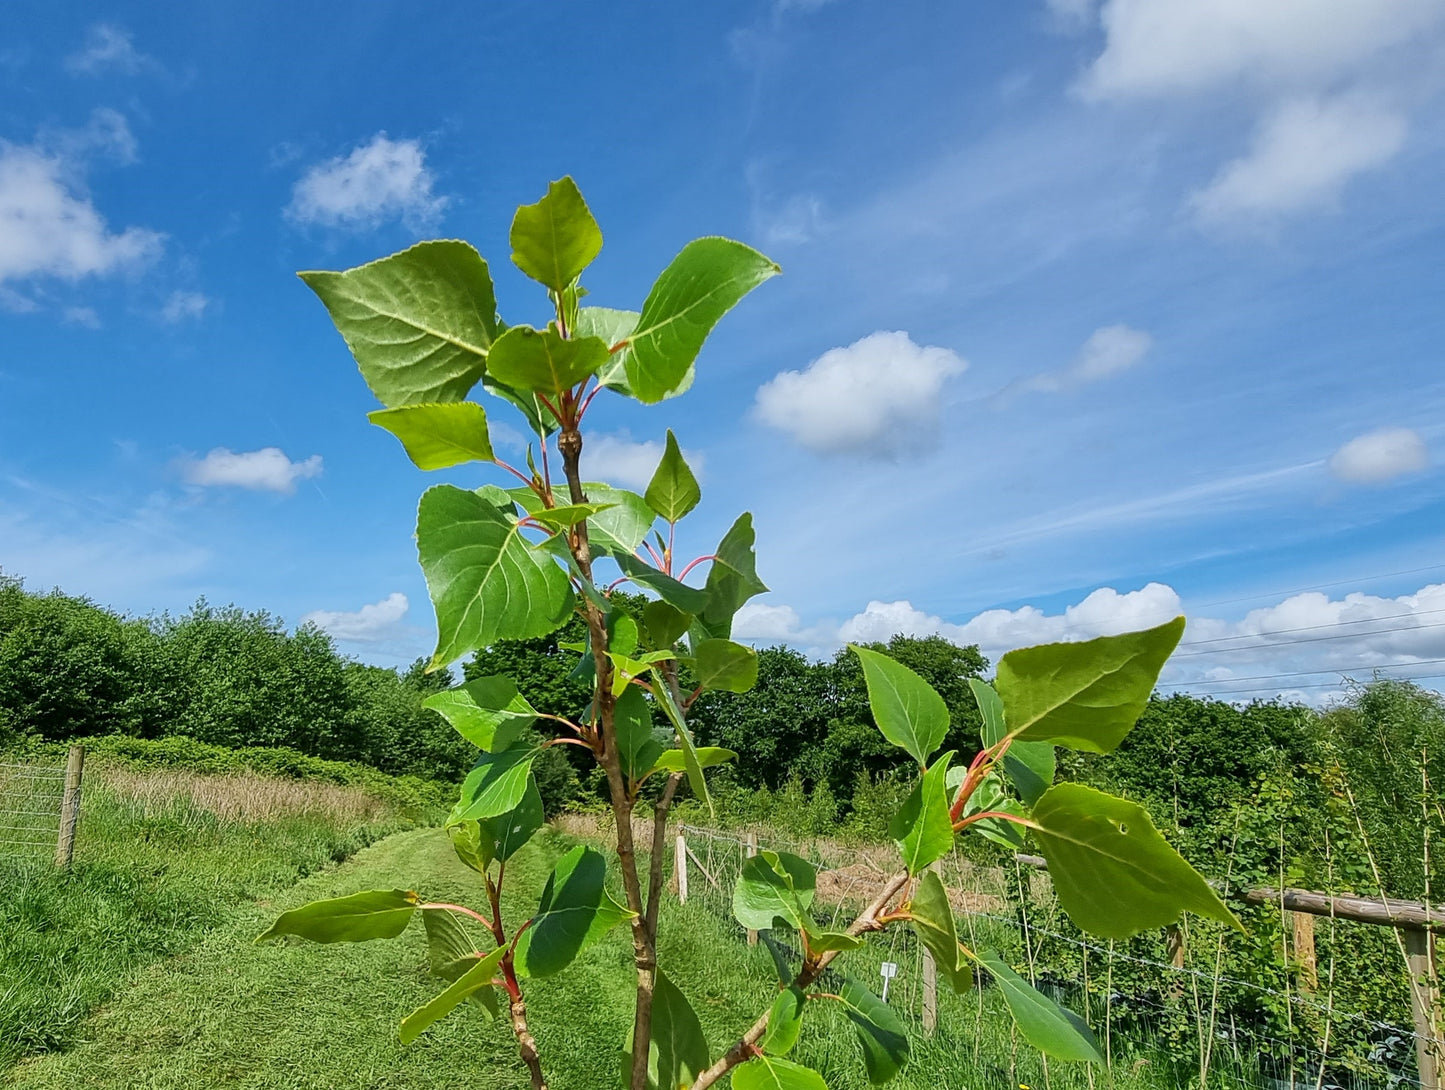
pixel 151 876
pixel 294 1016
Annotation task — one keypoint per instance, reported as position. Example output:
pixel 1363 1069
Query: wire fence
pixel 1173 1020
pixel 30 808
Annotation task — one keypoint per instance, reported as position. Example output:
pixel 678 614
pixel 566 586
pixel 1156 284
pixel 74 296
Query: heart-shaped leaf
pixel 488 712
pixel 722 664
pixel 773 884
pixel 556 238
pixel 673 491
pixel 543 360
pixel 575 911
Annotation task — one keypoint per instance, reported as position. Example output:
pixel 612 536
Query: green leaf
pixel 613 326
pixel 822 941
pixel 1044 1024
pixel 486 581
pixel 722 664
pixel 673 490
pixel 1114 874
pixel 560 518
pixel 420 323
pixel 472 845
pixel 622 633
pixel 512 830
pixel 677 1053
pixel 1084 695
pixel 785 1022
pixel 471 984
pixel 556 238
pixel 675 760
pixel 543 360
pixel 451 951
pixel 575 911
pixel 441 434
pixel 989 797
pixel 495 785
pixel 680 596
pixel 772 1073
pixel 932 919
pixel 637 744
pixel 540 420
pixel 664 624
pixel 923 828
pixel 620 529
pixel 773 884
pixel 1030 766
pixel 731 580
pixel 488 712
pixel 691 761
pixel 907 709
pixel 884 1040
pixel 704 282
pixel 375 914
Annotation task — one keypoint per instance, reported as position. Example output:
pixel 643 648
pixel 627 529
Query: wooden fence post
pixel 70 807
pixel 930 986
pixel 1424 1001
pixel 750 849
pixel 680 867
pixel 1303 926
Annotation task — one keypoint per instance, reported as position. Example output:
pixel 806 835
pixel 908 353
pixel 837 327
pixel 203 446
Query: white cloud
pixel 85 316
pixel 880 396
pixel 181 306
pixel 380 180
pixel 760 621
pixel 618 459
pixel 107 48
pixel 368 624
pixel 267 470
pixel 1109 350
pixel 1304 153
pixel 1182 46
pixel 1380 456
pixel 48 224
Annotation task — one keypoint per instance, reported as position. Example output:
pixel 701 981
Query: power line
pixel 1313 639
pixel 1315 627
pixel 1327 670
pixel 1290 688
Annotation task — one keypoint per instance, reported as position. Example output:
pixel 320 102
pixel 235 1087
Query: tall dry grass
pixel 239 797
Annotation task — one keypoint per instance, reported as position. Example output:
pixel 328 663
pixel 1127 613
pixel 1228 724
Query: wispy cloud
pixel 265 470
pixel 107 48
pixel 380 180
pixel 1109 350
pixel 181 306
pixel 1381 456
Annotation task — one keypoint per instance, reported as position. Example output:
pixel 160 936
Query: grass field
pixel 293 1016
pixel 163 855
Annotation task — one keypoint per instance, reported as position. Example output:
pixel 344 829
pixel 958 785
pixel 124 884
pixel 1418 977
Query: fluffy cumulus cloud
pixel 617 458
pixel 1380 456
pixel 1304 152
pixel 380 180
pixel 107 49
pixel 265 470
pixel 1331 75
pixel 182 306
pixel 1307 647
pixel 369 624
pixel 1108 351
pixel 49 225
pixel 878 397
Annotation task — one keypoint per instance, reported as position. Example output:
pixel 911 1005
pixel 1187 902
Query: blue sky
pixel 1092 311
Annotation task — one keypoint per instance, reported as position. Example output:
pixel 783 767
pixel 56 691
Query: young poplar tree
pixel 515 562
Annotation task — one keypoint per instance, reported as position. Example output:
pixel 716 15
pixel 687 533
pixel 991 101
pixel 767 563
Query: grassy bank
pixel 164 854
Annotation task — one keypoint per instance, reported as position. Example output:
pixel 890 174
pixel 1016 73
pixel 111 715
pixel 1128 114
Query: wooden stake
pixel 750 849
pixel 930 988
pixel 1424 1000
pixel 70 808
pixel 1303 926
pixel 680 868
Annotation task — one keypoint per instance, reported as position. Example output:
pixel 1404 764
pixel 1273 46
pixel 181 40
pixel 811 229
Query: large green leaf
pixel 677 1053
pixel 773 884
pixel 731 580
pixel 1084 695
pixel 556 238
pixel 675 760
pixel 1030 766
pixel 495 785
pixel 614 327
pixel 785 1022
pixel 884 1040
pixel 620 529
pixel 664 624
pixel 923 827
pixel 773 1073
pixel 680 596
pixel 907 709
pixel 1114 874
pixel 476 981
pixel 702 283
pixel 637 744
pixel 375 914
pixel 1050 1028
pixel 722 664
pixel 441 434
pixel 486 581
pixel 452 952
pixel 932 919
pixel 673 490
pixel 575 911
pixel 543 360
pixel 472 844
pixel 488 712
pixel 510 831
pixel 420 323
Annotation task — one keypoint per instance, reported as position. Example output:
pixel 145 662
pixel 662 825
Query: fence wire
pixel 30 798
pixel 1194 1025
